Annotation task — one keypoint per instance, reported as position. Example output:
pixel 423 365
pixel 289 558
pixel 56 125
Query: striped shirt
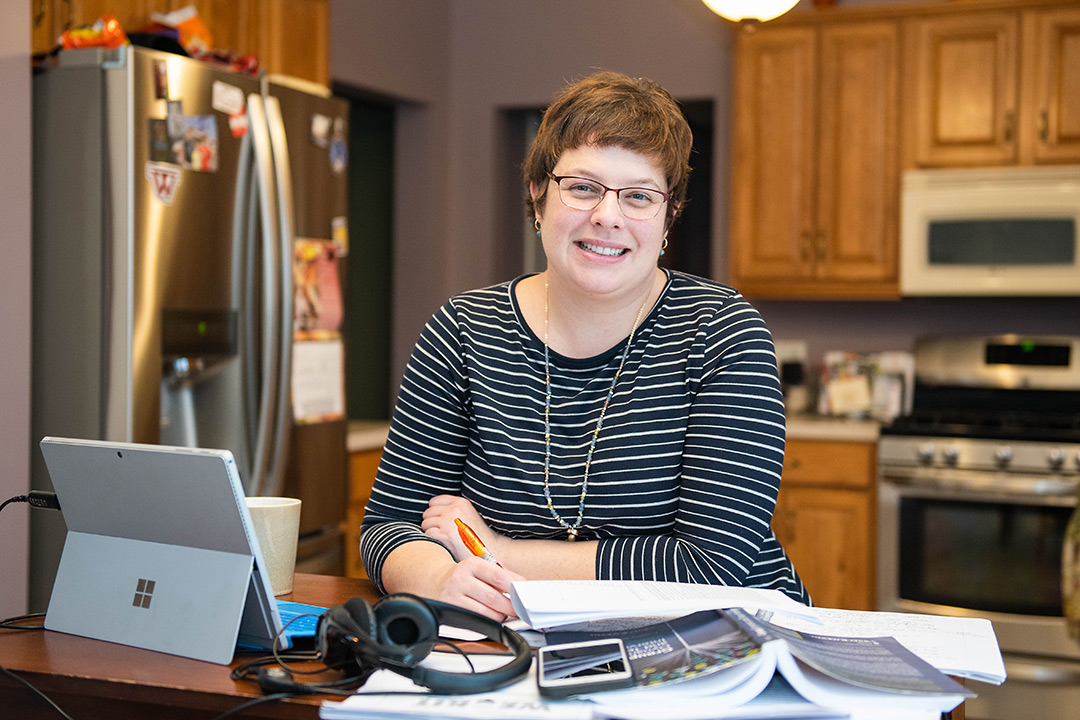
pixel 686 468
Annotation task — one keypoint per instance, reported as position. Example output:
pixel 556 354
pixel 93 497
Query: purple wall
pixel 457 65
pixel 15 210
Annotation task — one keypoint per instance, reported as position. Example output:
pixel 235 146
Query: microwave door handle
pixel 275 474
pixel 269 234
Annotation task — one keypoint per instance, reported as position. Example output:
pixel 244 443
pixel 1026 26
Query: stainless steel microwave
pixel 991 231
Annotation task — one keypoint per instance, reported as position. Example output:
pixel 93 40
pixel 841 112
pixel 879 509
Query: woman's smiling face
pixel 601 251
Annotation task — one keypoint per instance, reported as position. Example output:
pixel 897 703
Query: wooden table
pixel 96 680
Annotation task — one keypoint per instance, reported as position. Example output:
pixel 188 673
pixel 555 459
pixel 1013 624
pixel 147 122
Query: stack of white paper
pixel 551 603
pixel 389 695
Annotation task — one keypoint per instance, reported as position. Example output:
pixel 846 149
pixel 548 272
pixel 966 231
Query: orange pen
pixel 472 542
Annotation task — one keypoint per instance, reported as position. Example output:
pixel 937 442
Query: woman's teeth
pixel 601 250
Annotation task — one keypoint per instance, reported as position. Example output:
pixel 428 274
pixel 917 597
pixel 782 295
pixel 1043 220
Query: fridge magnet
pixel 238 124
pixel 318 380
pixel 339 234
pixel 339 156
pixel 317 304
pixel 320 130
pixel 161 80
pixel 226 98
pixel 164 179
pixel 160 146
pixel 198 148
pixel 174 114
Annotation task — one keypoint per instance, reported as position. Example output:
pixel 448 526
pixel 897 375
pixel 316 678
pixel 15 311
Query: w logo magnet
pixel 164 180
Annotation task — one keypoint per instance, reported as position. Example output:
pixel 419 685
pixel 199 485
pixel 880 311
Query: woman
pixel 604 401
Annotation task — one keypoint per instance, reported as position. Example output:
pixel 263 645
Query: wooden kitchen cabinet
pixel 826 519
pixel 296 38
pixel 1052 53
pixel 290 37
pixel 815 165
pixel 362 467
pixel 993 88
pixel 965 79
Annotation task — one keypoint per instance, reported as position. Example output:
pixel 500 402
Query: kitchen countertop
pixel 364 435
pixel 816 427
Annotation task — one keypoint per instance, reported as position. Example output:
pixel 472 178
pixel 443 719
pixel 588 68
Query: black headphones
pixel 400 630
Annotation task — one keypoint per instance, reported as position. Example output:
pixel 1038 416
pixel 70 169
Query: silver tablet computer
pixel 160 552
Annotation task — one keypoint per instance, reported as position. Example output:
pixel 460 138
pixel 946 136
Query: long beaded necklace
pixel 572 530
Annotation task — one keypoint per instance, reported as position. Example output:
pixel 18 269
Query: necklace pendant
pixel 571 534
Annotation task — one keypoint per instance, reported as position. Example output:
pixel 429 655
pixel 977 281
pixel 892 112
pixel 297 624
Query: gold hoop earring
pixel 536 224
pixel 663 247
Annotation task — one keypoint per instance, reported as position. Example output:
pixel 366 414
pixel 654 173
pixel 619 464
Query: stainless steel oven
pixel 976 487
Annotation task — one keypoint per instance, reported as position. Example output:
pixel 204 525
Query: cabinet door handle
pixel 1010 126
pixel 806 241
pixel 1044 126
pixel 819 245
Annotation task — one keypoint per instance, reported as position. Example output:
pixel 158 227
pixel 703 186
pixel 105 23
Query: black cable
pixel 37 692
pixel 17 498
pixel 37 498
pixel 251 703
pixel 11 622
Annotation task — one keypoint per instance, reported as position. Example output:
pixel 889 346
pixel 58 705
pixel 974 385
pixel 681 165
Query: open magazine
pixel 693 665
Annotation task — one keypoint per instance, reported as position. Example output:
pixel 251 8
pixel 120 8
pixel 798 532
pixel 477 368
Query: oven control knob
pixel 951 455
pixel 1057 459
pixel 1002 456
pixel 926 453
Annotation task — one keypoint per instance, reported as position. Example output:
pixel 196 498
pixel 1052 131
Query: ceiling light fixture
pixel 749 10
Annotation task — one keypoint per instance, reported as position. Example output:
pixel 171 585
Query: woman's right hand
pixel 427 569
pixel 478 585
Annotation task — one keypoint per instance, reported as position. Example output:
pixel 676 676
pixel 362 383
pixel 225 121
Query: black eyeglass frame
pixel 600 198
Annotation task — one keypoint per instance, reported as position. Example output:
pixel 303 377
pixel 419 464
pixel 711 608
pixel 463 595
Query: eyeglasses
pixel 637 203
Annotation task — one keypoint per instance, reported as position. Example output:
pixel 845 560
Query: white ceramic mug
pixel 276 521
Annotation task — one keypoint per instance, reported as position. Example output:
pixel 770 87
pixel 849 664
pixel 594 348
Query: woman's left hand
pixel 438 524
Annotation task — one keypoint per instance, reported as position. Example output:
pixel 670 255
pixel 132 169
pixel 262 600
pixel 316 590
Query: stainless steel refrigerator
pixel 170 200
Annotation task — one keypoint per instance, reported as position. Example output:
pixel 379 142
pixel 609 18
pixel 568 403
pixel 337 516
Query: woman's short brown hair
pixel 611 109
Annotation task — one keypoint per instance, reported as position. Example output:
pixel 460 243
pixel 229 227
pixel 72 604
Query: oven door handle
pixel 1036 490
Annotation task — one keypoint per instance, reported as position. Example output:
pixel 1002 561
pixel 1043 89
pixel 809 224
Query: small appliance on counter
pixel 874 385
pixel 791 363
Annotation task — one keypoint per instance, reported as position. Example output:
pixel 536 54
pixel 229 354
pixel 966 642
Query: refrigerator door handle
pixel 242 299
pixel 257 483
pixel 283 175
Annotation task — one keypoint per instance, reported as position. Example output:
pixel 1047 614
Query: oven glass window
pixel 982 556
pixel 1002 243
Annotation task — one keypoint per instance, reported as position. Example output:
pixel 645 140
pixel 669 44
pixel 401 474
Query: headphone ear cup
pixel 362 615
pixel 337 627
pixel 407 629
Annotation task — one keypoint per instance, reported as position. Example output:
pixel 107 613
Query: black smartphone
pixel 583 667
